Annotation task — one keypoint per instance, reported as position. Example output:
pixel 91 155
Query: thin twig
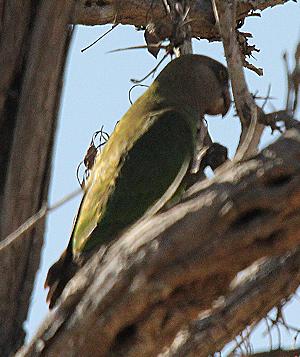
pixel 137 81
pixel 98 39
pixel 243 339
pixel 134 86
pixel 139 47
pixel 33 220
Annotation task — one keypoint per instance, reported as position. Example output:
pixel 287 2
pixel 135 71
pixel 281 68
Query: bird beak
pixel 221 104
pixel 226 101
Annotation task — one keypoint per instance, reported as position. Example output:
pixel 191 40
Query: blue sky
pixel 96 93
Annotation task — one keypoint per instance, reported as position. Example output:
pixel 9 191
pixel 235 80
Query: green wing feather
pixel 128 182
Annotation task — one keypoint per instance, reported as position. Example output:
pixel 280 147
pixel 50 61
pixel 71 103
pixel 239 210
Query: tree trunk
pixel 33 46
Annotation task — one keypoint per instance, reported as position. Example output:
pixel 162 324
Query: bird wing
pixel 147 176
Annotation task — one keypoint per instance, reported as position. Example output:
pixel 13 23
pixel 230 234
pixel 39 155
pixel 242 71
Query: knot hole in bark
pixel 278 180
pixel 124 337
pixel 248 217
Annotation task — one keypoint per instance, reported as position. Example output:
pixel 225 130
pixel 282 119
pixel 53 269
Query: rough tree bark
pixel 278 353
pixel 133 298
pixel 33 45
pixel 139 12
pixel 224 321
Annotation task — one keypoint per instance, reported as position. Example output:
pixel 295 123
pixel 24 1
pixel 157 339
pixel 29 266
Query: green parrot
pixel 145 160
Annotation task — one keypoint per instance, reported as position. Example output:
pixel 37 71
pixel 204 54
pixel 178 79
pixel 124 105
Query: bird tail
pixel 59 275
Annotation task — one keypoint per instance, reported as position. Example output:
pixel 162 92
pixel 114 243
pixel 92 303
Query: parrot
pixel 145 160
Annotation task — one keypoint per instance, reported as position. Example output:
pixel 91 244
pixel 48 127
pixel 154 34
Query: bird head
pixel 199 81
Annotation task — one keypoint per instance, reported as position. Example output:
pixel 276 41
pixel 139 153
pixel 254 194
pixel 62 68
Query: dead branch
pixel 277 353
pixel 268 283
pixel 134 296
pixel 244 102
pixel 139 12
pixel 293 82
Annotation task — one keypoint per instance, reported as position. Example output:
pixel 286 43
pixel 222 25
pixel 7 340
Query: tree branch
pixel 277 353
pixel 244 102
pixel 138 13
pixel 132 297
pixel 266 285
